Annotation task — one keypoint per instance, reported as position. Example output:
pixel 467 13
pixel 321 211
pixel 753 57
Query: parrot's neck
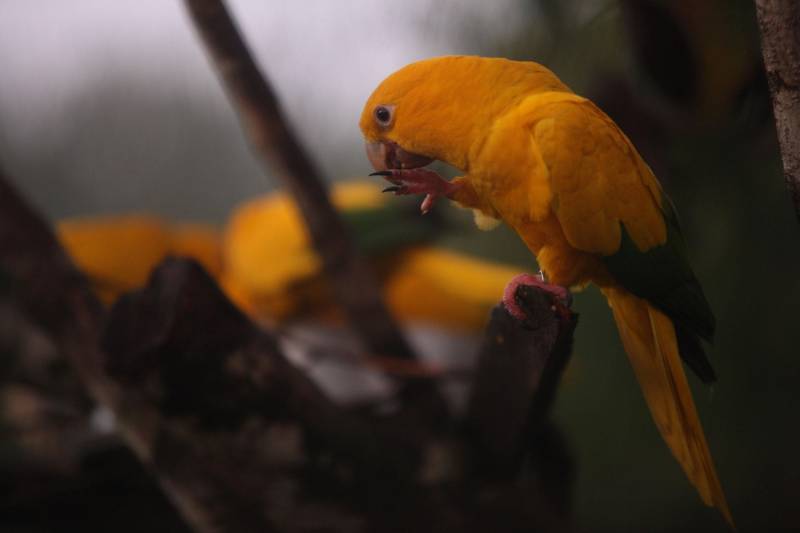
pixel 447 140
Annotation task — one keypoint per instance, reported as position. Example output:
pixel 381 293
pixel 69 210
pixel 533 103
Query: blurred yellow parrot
pixel 559 171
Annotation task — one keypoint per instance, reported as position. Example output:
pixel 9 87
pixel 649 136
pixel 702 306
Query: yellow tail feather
pixel 649 339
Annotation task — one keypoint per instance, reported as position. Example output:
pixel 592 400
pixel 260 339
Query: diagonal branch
pixel 278 147
pixel 779 21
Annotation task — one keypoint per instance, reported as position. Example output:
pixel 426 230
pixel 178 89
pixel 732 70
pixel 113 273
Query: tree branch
pixel 779 21
pixel 240 440
pixel 276 144
pixel 239 425
pixel 519 370
pixel 199 469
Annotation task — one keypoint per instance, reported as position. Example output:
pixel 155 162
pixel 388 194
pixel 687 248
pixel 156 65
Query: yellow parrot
pixel 558 170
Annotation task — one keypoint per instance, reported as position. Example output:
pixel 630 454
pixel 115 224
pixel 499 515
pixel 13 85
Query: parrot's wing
pixel 609 202
pixel 662 276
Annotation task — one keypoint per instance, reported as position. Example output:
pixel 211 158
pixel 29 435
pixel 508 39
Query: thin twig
pixel 278 147
pixel 779 21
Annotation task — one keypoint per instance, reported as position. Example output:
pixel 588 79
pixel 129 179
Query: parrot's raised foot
pixel 560 294
pixel 418 181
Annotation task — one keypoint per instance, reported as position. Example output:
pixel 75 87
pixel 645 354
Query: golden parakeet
pixel 559 171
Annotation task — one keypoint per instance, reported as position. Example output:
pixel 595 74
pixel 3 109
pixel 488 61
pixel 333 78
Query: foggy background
pixel 110 106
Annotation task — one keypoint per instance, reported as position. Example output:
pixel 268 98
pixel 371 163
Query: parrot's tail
pixel 649 339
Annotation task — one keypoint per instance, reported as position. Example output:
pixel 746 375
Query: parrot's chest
pixel 503 197
pixel 563 264
pixel 511 200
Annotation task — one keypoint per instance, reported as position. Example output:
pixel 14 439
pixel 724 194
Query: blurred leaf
pixel 389 228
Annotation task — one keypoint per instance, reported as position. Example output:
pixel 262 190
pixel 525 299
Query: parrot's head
pixel 418 114
pixel 441 108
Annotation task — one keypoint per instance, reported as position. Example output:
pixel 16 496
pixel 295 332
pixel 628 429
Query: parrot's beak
pixel 386 155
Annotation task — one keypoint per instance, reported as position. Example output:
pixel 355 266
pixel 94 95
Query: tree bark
pixel 779 21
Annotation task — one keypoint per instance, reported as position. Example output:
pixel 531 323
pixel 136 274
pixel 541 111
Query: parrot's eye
pixel 383 115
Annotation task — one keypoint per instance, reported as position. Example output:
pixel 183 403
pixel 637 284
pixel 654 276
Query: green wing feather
pixel 662 275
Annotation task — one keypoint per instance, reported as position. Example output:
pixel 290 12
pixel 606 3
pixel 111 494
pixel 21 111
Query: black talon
pixel 391 189
pixel 382 173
